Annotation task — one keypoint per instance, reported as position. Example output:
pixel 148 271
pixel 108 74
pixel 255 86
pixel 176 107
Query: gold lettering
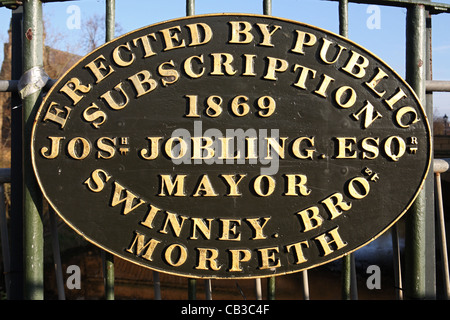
pixel 355 192
pixel 237 257
pixel 170 185
pixel 141 78
pixel 233 184
pixel 257 185
pixel 309 151
pixel 258 227
pixel 303 76
pixel 73 86
pixel 275 65
pixel 130 199
pixel 188 67
pixel 174 223
pixel 395 98
pixel 96 182
pixel 117 56
pixel 97 69
pixel 204 188
pixel 345 144
pixel 324 50
pixel 300 257
pixel 200 224
pixel 96 118
pixel 74 146
pixel 195 34
pixel 336 205
pixel 222 61
pixel 370 114
pixel 240 32
pixel 171 38
pixel 146 44
pixel 55 143
pixel 268 258
pixel 402 112
pixel 303 39
pixel 182 256
pixel 267 36
pixel 153 154
pixel 148 222
pixel 311 218
pixel 325 242
pixel 376 80
pixel 300 185
pixel 182 145
pixel 111 102
pixel 138 243
pixel 355 63
pixel 109 150
pixel 229 229
pixel 212 259
pixel 57 115
pixel 170 76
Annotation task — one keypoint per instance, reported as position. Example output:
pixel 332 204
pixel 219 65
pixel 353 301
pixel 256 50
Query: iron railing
pixel 419 280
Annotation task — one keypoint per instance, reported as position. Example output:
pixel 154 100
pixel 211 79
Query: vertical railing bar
pixel 347 259
pixel 16 211
pixel 305 285
pixel 32 199
pixel 271 284
pixel 343 18
pixel 267 10
pixel 442 237
pixel 5 241
pixel 192 283
pixel 397 263
pixel 192 289
pixel 108 258
pixel 56 255
pixel 258 289
pixel 156 285
pixel 267 7
pixel 208 289
pixel 353 283
pixel 416 238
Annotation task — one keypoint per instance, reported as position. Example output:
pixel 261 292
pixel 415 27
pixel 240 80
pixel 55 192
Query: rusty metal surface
pixel 350 146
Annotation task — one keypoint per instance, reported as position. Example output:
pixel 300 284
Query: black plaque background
pixel 299 113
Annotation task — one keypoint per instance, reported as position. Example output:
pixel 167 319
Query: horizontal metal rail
pixel 432 7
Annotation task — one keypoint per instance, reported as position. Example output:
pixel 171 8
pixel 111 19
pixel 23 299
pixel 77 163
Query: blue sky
pixel 380 29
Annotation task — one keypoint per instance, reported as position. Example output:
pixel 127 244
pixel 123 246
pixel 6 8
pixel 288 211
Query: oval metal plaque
pixel 230 146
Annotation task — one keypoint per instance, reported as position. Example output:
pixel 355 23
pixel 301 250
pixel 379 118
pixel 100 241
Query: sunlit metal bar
pixel 108 258
pixel 419 236
pixel 441 166
pixel 33 224
pixel 435 85
pixel 12 85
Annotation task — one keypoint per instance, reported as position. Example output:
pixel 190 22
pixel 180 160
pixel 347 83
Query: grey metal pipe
pixel 435 85
pixel 12 85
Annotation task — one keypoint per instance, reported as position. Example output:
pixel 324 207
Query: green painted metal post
pixel 33 226
pixel 271 281
pixel 347 259
pixel 419 237
pixel 108 258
